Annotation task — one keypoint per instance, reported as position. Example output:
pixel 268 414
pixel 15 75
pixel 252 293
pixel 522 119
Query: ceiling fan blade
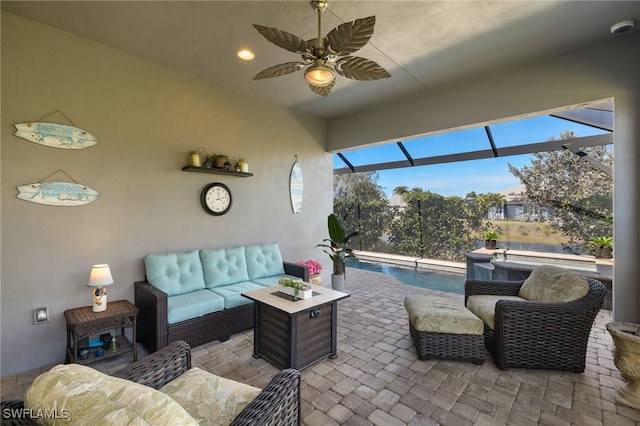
pixel 360 69
pixel 283 39
pixel 278 70
pixel 322 90
pixel 350 37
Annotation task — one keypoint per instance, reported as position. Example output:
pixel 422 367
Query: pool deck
pixel 411 261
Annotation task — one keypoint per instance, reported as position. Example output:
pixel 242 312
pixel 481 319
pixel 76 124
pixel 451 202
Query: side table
pixel 83 323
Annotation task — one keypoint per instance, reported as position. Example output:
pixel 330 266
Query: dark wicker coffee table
pixel 295 334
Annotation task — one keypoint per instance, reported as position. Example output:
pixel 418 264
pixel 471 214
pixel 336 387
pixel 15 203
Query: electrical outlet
pixel 41 315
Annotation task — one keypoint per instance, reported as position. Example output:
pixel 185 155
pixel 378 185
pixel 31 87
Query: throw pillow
pixel 553 284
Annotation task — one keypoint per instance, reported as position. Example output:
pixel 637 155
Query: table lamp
pixel 100 277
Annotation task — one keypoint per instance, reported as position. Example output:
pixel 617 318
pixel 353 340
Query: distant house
pixel 397 203
pixel 517 207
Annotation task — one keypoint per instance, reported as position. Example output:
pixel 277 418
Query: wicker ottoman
pixel 442 328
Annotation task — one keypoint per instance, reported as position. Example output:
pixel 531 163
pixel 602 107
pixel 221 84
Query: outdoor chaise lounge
pixel 541 322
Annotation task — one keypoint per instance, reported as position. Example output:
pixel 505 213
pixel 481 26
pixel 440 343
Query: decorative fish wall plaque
pixel 55 135
pixel 57 193
pixel 296 187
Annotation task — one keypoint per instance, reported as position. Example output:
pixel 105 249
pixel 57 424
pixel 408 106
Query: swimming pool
pixel 435 280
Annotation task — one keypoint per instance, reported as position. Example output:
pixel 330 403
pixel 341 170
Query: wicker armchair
pixel 277 404
pixel 542 335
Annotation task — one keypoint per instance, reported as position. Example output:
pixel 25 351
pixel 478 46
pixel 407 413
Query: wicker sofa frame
pixel 154 331
pixel 277 405
pixel 538 334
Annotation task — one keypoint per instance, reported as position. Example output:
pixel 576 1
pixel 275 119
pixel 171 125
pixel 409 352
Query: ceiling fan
pixel 326 56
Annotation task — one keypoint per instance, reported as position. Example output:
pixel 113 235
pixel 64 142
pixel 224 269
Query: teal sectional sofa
pixel 196 296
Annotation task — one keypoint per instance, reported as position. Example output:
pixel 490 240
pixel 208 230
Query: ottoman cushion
pixel 441 315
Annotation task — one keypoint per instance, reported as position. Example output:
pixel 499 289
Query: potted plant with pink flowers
pixel 315 268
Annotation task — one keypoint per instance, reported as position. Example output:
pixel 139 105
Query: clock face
pixel 216 198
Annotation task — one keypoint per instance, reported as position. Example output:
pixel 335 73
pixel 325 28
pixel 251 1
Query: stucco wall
pixel 605 71
pixel 147 119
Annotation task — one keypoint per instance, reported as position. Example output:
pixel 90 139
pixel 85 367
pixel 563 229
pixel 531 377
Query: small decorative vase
pixel 315 279
pixel 337 282
pixel 627 360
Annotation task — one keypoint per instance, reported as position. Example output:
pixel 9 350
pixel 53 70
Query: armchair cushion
pixel 175 273
pixel 484 307
pixel 90 397
pixel 553 284
pixel 210 399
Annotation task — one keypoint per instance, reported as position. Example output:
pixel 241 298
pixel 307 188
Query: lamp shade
pixel 100 276
pixel 319 75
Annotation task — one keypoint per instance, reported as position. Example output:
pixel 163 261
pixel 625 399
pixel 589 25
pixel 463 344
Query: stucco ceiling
pixel 425 45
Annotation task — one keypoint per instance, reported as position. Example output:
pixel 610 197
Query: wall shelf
pixel 215 171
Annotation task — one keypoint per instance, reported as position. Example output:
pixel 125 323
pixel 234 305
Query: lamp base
pixel 102 306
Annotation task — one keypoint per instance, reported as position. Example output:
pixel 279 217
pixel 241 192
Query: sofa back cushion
pixel 76 394
pixel 263 260
pixel 175 273
pixel 553 284
pixel 224 266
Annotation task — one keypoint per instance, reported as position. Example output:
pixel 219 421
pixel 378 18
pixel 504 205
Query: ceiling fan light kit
pixel 319 75
pixel 328 56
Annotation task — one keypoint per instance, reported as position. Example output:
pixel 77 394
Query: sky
pixel 460 178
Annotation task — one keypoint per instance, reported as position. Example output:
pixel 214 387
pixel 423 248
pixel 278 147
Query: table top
pixel 266 295
pixel 85 314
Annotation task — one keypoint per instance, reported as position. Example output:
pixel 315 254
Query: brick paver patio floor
pixel 377 378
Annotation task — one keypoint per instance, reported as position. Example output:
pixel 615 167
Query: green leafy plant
pixel 296 285
pixel 336 244
pixel 491 232
pixel 602 242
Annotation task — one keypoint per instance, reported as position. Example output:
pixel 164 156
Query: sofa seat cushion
pixel 232 294
pixel 175 273
pixel 193 305
pixel 553 284
pixel 484 307
pixel 263 261
pixel 82 395
pixel 224 266
pixel 273 281
pixel 209 399
pixel 441 315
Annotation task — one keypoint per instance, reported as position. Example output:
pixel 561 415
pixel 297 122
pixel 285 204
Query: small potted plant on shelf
pixel 218 160
pixel 603 247
pixel 297 289
pixel 315 268
pixel 491 234
pixel 338 250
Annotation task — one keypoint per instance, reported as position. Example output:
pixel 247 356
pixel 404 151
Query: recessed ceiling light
pixel 246 54
pixel 622 27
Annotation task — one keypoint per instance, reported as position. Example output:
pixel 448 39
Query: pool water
pixel 435 280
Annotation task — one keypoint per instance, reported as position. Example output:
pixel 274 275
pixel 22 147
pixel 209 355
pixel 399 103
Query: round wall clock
pixel 216 198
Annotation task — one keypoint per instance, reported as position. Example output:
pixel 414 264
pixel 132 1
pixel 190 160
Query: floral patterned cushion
pixel 553 284
pixel 485 307
pixel 441 315
pixel 210 399
pixel 77 394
